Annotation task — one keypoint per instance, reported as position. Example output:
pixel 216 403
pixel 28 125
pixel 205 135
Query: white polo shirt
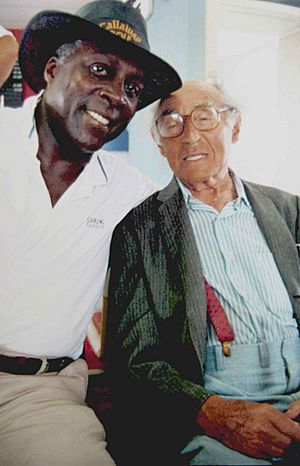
pixel 54 260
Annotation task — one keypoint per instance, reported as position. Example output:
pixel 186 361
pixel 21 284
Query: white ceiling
pixel 244 15
pixel 262 17
pixel 15 14
pixel 248 24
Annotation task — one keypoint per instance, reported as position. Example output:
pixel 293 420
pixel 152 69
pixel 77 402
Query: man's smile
pixel 194 157
pixel 100 119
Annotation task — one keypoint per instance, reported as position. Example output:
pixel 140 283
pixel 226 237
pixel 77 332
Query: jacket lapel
pixel 278 237
pixel 178 233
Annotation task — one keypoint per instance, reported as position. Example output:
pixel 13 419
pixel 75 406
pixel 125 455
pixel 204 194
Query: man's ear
pixel 156 139
pixel 236 128
pixel 50 69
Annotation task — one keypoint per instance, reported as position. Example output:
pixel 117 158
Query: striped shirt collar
pixel 242 199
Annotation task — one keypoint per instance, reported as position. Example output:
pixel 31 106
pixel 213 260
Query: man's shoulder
pixel 11 121
pixel 116 163
pixel 9 113
pixel 286 204
pixel 146 216
pixel 275 194
pixel 10 116
pixel 128 183
pixel 149 207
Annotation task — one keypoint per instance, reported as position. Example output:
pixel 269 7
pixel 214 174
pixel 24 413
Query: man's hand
pixel 255 429
pixel 293 411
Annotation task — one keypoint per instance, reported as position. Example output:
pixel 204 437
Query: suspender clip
pixel 226 348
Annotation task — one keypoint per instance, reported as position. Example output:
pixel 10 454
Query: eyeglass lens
pixel 203 118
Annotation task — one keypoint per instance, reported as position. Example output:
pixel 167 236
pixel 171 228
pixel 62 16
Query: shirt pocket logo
pixel 94 222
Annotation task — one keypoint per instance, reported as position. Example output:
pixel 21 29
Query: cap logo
pixel 121 29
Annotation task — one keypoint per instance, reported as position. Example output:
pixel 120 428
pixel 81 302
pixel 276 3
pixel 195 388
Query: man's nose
pixel 190 133
pixel 114 94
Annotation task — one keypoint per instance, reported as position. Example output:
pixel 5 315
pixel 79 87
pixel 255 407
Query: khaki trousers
pixel 44 420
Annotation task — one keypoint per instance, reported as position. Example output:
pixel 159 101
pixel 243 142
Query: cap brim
pixel 48 30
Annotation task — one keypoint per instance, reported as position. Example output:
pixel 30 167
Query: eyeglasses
pixel 204 118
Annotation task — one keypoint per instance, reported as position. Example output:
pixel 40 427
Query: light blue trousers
pixel 265 372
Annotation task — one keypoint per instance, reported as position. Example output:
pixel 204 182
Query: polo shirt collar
pixel 31 103
pixel 95 172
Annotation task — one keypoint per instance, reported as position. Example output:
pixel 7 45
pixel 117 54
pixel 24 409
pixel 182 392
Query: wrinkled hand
pixel 293 410
pixel 255 429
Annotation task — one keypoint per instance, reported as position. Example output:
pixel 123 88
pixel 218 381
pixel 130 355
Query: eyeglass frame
pixel 185 117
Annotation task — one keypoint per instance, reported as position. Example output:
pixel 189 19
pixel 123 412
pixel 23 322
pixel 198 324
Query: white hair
pixel 65 51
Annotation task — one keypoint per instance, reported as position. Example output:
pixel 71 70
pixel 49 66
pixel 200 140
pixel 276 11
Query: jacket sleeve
pixel 136 347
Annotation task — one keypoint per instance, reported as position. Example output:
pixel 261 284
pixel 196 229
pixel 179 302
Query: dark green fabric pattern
pixel 156 318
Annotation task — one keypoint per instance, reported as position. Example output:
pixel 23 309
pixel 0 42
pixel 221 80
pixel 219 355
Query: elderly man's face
pixel 91 97
pixel 195 156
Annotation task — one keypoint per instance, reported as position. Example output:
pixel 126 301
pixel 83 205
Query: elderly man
pixel 202 337
pixel 60 200
pixel 8 53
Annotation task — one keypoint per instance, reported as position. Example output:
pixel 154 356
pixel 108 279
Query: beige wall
pixel 259 64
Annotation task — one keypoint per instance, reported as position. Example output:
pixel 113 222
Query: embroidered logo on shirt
pixel 93 222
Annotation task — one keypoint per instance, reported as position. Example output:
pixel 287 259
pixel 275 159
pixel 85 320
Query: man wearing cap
pixel 60 200
pixel 203 312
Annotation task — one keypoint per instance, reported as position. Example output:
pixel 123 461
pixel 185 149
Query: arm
pixel 133 328
pixel 8 54
pixel 154 401
pixel 255 429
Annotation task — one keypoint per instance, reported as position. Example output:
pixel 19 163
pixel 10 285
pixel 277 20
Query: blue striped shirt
pixel 239 265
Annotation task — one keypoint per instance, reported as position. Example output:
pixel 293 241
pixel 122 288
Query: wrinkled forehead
pixel 189 96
